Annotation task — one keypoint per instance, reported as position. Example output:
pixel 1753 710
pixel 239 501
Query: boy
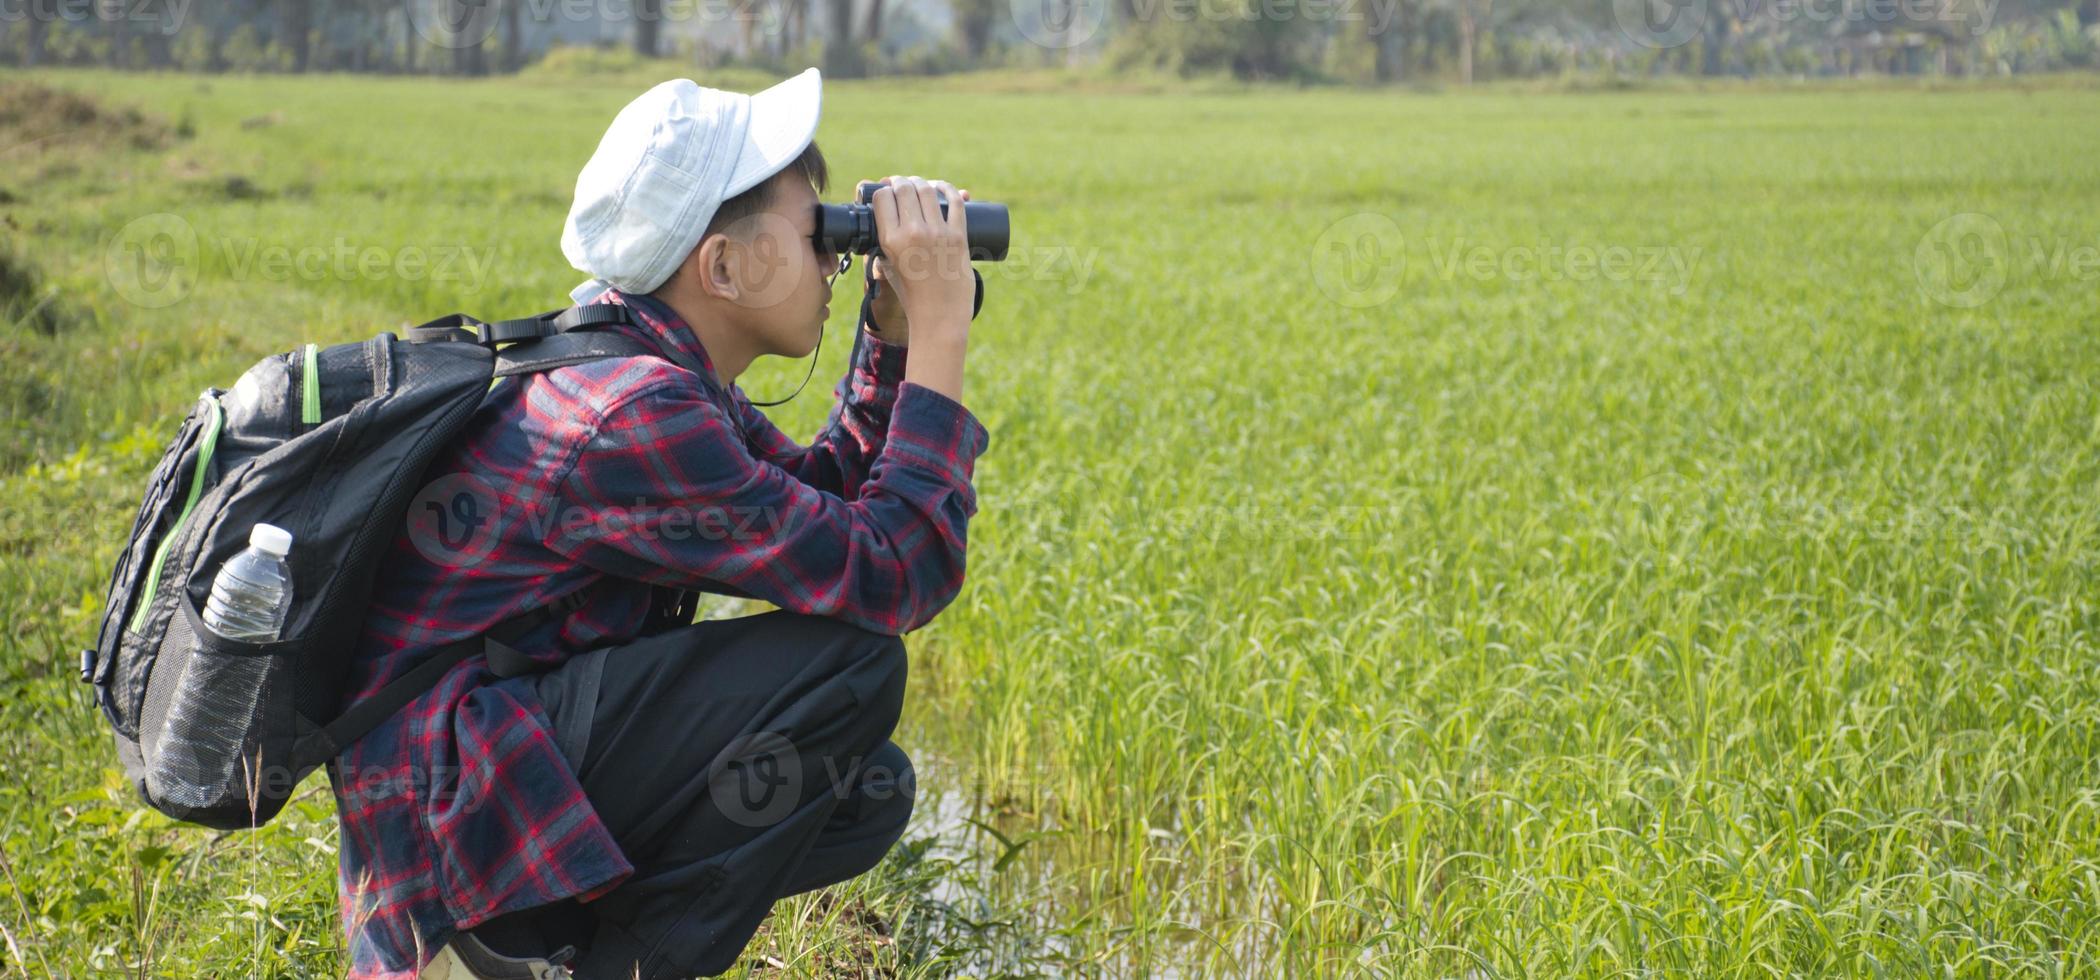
pixel 636 805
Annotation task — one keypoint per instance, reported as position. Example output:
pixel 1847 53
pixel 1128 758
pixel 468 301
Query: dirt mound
pixel 24 298
pixel 33 115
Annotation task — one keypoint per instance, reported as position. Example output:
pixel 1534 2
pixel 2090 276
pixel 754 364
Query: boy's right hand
pixel 926 257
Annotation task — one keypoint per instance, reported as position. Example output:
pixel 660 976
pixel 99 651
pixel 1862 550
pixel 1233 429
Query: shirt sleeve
pixel 837 460
pixel 665 490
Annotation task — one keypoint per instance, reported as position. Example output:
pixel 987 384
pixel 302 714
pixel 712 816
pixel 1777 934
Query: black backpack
pixel 332 445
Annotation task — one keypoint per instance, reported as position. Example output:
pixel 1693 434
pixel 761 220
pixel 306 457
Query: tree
pixel 117 14
pixel 973 25
pixel 1469 21
pixel 33 31
pixel 1389 39
pixel 298 27
pixel 874 29
pixel 513 36
pixel 648 26
pixel 747 21
pixel 469 51
pixel 841 56
pixel 409 39
pixel 1717 35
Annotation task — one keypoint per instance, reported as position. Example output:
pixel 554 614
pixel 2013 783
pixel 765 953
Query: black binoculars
pixel 849 229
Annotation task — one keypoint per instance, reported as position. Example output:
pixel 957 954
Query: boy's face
pixel 783 287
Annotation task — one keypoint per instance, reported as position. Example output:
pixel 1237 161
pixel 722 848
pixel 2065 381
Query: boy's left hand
pixel 887 310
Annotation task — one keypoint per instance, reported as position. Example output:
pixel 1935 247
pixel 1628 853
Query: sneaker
pixel 468 958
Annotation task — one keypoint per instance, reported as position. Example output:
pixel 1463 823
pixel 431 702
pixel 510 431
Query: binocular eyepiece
pixel 849 229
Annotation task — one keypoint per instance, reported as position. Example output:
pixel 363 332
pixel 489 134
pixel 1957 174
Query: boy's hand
pixel 923 276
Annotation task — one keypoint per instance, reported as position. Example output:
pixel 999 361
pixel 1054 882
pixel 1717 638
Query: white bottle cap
pixel 271 538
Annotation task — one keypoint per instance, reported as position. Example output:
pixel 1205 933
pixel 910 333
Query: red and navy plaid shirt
pixel 603 481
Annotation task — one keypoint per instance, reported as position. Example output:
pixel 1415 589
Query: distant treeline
pixel 1365 41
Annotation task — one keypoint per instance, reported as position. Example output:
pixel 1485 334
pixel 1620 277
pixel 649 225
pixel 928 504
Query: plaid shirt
pixel 602 481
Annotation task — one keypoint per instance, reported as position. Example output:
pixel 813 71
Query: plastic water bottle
pixel 253 592
pixel 216 703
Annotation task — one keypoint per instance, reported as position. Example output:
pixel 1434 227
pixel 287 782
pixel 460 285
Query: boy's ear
pixel 713 266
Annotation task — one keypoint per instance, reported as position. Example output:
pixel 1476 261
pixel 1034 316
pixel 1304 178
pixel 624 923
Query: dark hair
pixel 810 165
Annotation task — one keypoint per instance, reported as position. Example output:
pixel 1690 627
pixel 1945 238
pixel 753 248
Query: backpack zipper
pixel 208 443
pixel 310 385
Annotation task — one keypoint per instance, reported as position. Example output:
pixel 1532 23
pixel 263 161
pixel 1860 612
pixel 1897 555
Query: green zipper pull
pixel 205 447
pixel 310 412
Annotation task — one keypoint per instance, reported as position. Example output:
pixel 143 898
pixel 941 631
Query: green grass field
pixel 1493 534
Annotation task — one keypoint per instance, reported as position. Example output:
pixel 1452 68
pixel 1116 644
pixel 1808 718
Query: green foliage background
pixel 1511 624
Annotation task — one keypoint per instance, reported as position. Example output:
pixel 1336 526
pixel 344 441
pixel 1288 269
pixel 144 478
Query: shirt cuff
pixel 881 359
pixel 935 432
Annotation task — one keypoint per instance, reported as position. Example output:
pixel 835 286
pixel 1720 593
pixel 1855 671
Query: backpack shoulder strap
pixel 553 323
pixel 564 349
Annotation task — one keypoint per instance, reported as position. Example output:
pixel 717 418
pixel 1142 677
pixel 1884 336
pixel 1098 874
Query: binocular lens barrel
pixel 850 228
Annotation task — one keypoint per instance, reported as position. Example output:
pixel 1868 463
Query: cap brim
pixel 783 122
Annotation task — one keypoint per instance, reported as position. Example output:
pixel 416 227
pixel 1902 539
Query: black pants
pixel 736 762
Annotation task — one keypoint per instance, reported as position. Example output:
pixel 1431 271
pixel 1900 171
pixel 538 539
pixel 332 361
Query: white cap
pixel 271 538
pixel 670 158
